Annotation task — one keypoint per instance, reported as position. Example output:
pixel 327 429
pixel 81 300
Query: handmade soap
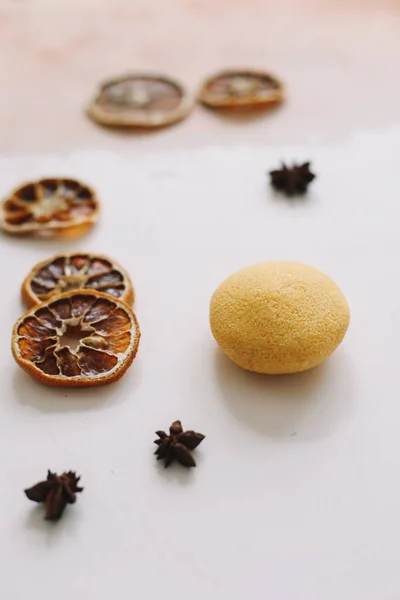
pixel 278 317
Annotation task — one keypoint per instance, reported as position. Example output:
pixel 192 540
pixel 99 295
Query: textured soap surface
pixel 278 317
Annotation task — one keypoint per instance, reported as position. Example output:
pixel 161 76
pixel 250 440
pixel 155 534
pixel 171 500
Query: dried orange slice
pixel 241 89
pixel 67 272
pixel 140 100
pixel 77 339
pixel 53 205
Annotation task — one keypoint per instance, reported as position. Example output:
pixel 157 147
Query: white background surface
pixel 296 494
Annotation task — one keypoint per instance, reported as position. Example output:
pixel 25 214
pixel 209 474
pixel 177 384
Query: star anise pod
pixel 293 180
pixel 56 492
pixel 177 445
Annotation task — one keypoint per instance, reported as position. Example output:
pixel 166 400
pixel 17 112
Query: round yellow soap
pixel 278 317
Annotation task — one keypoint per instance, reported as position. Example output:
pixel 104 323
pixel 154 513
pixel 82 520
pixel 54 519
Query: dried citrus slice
pixel 241 89
pixel 82 338
pixel 140 100
pixel 53 205
pixel 67 272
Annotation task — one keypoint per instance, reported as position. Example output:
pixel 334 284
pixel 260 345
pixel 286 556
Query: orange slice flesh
pixel 241 90
pixel 140 100
pixel 68 272
pixel 50 206
pixel 83 338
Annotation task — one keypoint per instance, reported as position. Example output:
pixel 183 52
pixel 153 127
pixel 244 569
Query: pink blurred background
pixel 339 60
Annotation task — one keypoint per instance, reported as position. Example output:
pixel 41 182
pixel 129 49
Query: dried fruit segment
pixel 139 100
pixel 49 365
pixel 34 350
pixel 62 309
pixel 98 342
pixel 101 309
pixel 118 343
pixel 34 329
pixel 77 339
pixel 50 206
pixel 93 362
pixel 45 316
pixel 117 321
pixel 67 272
pixel 81 304
pixel 241 89
pixel 67 361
